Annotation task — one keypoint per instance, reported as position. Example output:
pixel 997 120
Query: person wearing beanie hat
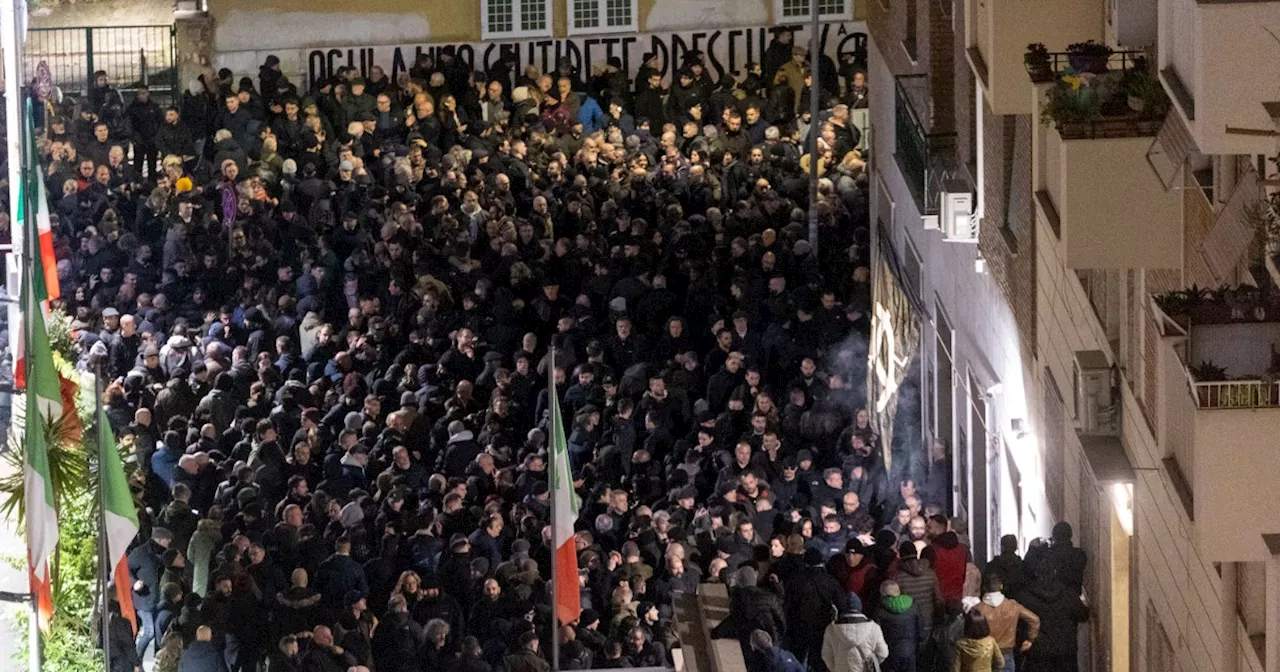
pixel 853 642
pixel 900 622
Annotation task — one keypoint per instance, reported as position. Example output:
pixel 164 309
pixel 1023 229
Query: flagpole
pixel 13 15
pixel 554 404
pixel 98 361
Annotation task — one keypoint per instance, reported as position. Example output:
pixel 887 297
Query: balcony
pixel 926 158
pixel 997 33
pixel 1093 183
pixel 1218 63
pixel 1222 395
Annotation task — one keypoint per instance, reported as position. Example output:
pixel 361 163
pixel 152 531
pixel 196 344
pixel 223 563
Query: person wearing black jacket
pixel 1060 611
pixel 145 117
pixel 813 598
pixel 145 567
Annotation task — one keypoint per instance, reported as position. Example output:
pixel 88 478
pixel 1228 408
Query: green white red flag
pixel 120 517
pixel 44 405
pixel 564 512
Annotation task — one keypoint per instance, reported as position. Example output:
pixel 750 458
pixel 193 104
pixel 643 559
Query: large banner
pixel 895 344
pixel 727 50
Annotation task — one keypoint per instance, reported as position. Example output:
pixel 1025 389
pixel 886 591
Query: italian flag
pixel 564 511
pixel 45 272
pixel 119 516
pixel 44 405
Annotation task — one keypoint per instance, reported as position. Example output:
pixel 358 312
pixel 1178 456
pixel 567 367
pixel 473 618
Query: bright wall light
pixel 1122 498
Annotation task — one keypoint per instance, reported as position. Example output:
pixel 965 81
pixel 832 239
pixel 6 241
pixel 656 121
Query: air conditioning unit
pixel 956 218
pixel 931 223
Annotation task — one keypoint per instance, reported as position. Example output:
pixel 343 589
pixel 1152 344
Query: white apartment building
pixel 1079 232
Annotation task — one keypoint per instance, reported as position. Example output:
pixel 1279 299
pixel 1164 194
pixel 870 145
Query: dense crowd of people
pixel 331 317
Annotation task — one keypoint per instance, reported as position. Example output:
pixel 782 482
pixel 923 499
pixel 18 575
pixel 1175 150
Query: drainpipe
pixel 1273 614
pixel 1230 620
pixel 979 124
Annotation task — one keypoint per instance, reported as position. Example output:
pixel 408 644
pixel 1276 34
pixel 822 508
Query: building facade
pixel 1057 247
pixel 330 34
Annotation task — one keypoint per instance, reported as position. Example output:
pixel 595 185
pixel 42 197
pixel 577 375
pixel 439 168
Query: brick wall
pixel 941 53
pixel 963 93
pixel 1007 238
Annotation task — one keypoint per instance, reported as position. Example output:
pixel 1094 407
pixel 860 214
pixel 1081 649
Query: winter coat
pixel 396 642
pixel 145 566
pixel 1059 611
pixel 297 609
pixel 124 651
pixel 902 629
pixel 1002 616
pixel 202 657
pixel 813 598
pixel 178 518
pixel 781 660
pixel 752 608
pixel 977 655
pixel 206 540
pixel 459 453
pixel 917 579
pixel 525 661
pixel 950 562
pixel 853 643
pixel 338 575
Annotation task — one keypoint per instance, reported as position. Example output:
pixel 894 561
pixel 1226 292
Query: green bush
pixel 71 646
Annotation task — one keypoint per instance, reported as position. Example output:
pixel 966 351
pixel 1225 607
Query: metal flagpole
pixel 815 131
pixel 13 20
pixel 98 361
pixel 554 404
pixel 37 643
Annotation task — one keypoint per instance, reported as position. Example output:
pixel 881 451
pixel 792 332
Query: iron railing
pixel 1065 62
pixel 1237 394
pixel 131 56
pixel 923 156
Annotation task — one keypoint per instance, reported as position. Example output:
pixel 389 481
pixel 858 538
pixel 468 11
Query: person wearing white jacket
pixel 853 642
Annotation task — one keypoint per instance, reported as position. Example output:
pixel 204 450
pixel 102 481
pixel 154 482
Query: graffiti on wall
pixel 727 50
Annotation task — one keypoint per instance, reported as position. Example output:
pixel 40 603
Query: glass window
pixel 515 18
pixel 601 16
pixel 799 9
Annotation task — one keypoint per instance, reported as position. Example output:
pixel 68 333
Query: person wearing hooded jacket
pixel 917 580
pixel 812 599
pixel 1060 610
pixel 901 624
pixel 1003 615
pixel 853 642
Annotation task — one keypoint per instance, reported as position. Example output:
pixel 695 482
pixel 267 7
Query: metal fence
pixel 130 55
pixel 923 156
pixel 1238 394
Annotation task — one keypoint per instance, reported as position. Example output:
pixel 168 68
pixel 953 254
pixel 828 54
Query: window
pixel 602 16
pixel 909 43
pixel 514 18
pixel 792 10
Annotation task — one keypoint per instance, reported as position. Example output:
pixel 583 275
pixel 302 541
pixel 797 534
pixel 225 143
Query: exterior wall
pixel 986 336
pixel 1169 573
pixel 1021 324
pixel 1007 238
pixel 1105 227
pixel 1242 474
pixel 344 36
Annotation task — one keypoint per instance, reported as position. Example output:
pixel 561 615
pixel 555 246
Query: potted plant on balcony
pixel 1069 106
pixel 1145 95
pixel 1208 372
pixel 1037 61
pixel 1089 56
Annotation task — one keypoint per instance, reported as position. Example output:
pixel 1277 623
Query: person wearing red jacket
pixel 950 558
pixel 856 572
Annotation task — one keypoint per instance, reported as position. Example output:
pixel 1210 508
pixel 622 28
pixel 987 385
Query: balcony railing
pixel 927 159
pixel 1065 62
pixel 1238 394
